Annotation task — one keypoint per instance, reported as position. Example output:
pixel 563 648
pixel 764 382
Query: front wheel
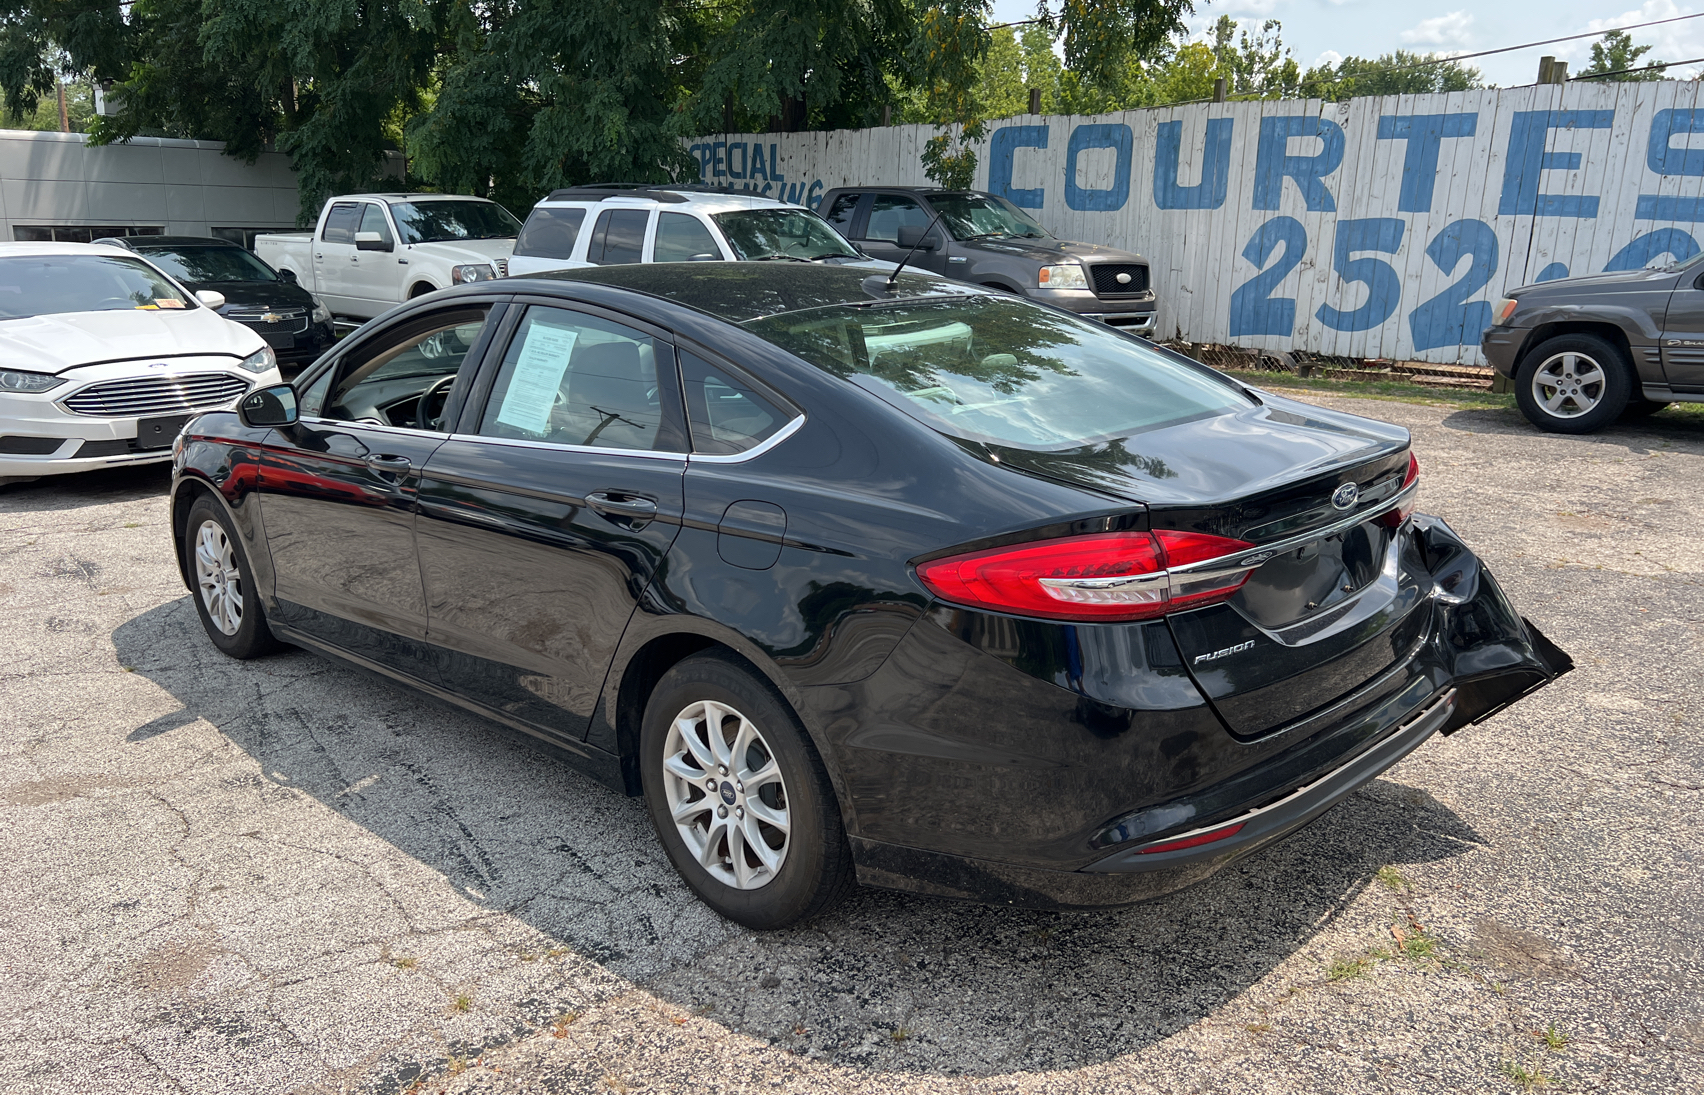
pixel 739 798
pixel 225 597
pixel 1573 384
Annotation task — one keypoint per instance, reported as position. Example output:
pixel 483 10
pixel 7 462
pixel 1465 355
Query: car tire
pixel 224 592
pixel 702 808
pixel 1573 384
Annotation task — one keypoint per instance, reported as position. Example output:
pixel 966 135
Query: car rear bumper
pixel 1475 657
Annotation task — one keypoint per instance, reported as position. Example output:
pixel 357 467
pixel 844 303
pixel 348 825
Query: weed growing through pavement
pixel 559 1029
pixel 1526 1077
pixel 464 1002
pixel 1391 878
pixel 900 1034
pixel 1347 969
pixel 406 962
pixel 1551 1037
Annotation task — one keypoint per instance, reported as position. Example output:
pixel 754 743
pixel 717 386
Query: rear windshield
pixel 211 264
pixel 782 233
pixel 447 221
pixel 45 285
pixel 1003 371
pixel 550 232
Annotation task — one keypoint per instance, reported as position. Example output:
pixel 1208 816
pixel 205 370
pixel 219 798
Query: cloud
pixel 1329 57
pixel 1444 30
pixel 1670 42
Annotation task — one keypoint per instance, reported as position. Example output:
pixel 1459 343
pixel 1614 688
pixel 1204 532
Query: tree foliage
pixel 1617 53
pixel 1399 73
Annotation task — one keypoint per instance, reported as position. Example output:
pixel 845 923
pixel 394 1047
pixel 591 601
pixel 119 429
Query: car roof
pixel 932 190
pixel 743 291
pixel 707 199
pixel 139 243
pixel 411 197
pixel 24 250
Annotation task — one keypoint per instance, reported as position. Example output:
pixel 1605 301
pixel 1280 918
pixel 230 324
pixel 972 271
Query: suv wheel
pixel 739 797
pixel 1573 384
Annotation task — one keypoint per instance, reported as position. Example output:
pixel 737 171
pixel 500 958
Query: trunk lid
pixel 1342 596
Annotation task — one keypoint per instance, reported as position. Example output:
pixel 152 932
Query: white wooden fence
pixel 1379 227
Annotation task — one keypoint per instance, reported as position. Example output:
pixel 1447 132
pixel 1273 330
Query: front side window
pixel 574 379
pixel 974 216
pixel 340 222
pixel 891 212
pixel 449 220
pixel 1003 371
pixel 840 213
pixel 781 233
pixel 45 285
pixel 403 381
pixel 373 220
pixel 727 416
pixel 198 264
pixel 550 233
pixel 682 237
pixel 619 237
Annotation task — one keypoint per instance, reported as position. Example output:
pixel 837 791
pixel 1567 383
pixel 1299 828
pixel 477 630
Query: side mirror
pixel 288 275
pixel 371 241
pixel 911 235
pixel 274 406
pixel 213 300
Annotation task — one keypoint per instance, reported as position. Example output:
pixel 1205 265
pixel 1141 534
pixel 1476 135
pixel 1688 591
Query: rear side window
pixel 574 379
pixel 550 233
pixel 340 223
pixel 727 416
pixel 618 237
pixel 682 237
pixel 840 213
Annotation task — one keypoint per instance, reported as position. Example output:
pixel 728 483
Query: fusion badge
pixel 1225 653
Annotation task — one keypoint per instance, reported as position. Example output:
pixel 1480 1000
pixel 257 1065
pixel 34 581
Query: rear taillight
pixel 1400 514
pixel 1108 576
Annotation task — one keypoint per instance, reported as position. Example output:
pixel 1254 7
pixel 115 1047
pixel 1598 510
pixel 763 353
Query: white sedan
pixel 103 358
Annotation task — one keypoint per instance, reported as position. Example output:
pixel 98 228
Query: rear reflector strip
pixel 1192 841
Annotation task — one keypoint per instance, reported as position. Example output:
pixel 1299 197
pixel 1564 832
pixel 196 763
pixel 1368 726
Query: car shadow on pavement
pixel 89 488
pixel 885 982
pixel 1667 429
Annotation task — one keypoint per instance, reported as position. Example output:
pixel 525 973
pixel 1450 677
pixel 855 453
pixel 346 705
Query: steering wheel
pixel 438 391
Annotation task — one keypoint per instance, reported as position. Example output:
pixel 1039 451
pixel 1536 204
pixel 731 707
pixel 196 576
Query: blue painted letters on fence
pixel 1450 319
pixel 1664 241
pixel 1384 288
pixel 1209 193
pixel 1273 161
pixel 1114 136
pixel 1254 311
pixel 1663 158
pixel 1424 133
pixel 1527 161
pixel 1006 141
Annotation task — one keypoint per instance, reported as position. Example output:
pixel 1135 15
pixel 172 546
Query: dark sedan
pixel 930 587
pixel 293 323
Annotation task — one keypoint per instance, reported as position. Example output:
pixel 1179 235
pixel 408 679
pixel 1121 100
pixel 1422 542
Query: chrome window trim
pixel 792 427
pixel 373 426
pixel 594 450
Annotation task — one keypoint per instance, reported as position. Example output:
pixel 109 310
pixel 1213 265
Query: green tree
pixel 1399 73
pixel 1617 53
pixel 1257 65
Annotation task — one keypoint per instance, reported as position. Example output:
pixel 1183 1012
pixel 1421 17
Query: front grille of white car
pixel 148 395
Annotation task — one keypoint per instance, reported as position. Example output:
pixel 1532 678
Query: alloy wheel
pixel 726 795
pixel 217 575
pixel 1568 385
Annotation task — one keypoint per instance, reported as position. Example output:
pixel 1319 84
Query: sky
pixel 1326 30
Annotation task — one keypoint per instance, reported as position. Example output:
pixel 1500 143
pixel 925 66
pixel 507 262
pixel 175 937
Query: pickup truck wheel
pixel 419 290
pixel 1573 384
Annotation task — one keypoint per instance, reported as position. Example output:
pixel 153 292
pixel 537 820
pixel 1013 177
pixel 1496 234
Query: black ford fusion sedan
pixel 928 587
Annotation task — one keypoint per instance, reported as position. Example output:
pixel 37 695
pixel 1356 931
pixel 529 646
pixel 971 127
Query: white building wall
pixel 183 187
pixel 1364 247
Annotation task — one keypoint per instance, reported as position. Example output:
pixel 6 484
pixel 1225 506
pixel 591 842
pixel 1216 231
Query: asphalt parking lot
pixel 283 876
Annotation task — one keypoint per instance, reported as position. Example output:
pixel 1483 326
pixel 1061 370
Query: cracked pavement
pixel 286 876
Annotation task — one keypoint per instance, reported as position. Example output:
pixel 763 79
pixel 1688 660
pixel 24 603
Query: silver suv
pixel 605 225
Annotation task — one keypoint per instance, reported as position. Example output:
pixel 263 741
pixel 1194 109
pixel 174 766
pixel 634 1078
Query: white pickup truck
pixel 370 252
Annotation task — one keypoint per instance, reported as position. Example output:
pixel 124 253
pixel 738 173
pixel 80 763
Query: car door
pixel 338 489
pixel 375 277
pixel 545 516
pixel 1683 336
pixel 891 212
pixel 682 237
pixel 334 253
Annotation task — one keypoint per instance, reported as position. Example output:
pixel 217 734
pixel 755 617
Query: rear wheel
pixel 739 798
pixel 224 588
pixel 1574 384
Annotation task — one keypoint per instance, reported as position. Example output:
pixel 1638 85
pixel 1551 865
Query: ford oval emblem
pixel 1345 497
pixel 1123 279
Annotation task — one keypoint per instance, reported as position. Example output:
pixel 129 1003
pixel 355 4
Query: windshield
pixel 211 264
pixel 973 215
pixel 783 233
pixel 447 221
pixel 45 285
pixel 1002 371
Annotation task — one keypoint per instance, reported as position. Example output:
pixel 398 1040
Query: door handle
pixel 385 462
pixel 621 504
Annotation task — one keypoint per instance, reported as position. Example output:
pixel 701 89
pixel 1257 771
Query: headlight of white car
pixel 260 361
pixel 27 382
pixel 322 314
pixel 479 271
pixel 1068 275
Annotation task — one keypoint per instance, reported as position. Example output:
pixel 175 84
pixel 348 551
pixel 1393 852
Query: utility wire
pixel 1546 42
pixel 1622 71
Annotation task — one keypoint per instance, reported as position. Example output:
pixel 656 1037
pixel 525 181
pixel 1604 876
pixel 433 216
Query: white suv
pixel 604 225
